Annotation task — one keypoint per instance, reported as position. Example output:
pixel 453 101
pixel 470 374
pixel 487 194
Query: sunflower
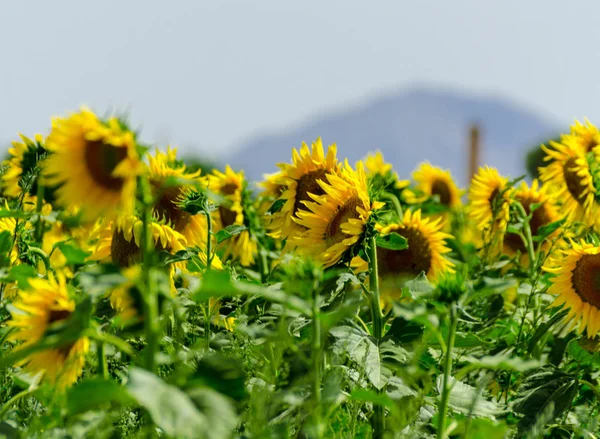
pixel 577 270
pixel 94 163
pixel 378 169
pixel 24 159
pixel 171 184
pixel 569 175
pixel 426 253
pixel 335 221
pixel 433 181
pixel 489 200
pixel 272 189
pixel 545 213
pixel 8 225
pixel 44 305
pixel 119 241
pixel 301 180
pixel 584 136
pixel 230 185
pixel 126 298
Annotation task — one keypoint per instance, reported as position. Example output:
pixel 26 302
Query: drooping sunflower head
pixel 432 181
pixel 544 213
pixel 43 306
pixel 569 174
pixel 171 184
pixel 380 174
pixel 230 185
pixel 489 200
pixel 94 163
pixel 126 299
pixel 577 272
pixel 301 179
pixel 336 220
pixel 271 190
pixel 22 166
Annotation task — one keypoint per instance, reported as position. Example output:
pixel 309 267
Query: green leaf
pixel 481 428
pixel 219 284
pixel 419 286
pixel 543 330
pixel 404 331
pixel 170 408
pixel 392 241
pixel 21 274
pixel 220 417
pixel 94 393
pixel 582 356
pixel 221 374
pixel 548 229
pixel 497 362
pixel 547 389
pixel 466 399
pixel 276 206
pixel 74 255
pixel 228 232
pixel 367 352
pixel 14 214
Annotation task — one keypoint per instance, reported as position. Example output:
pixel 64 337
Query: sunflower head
pixel 381 175
pixel 584 136
pixel 231 187
pixel 126 299
pixel 94 163
pixel 545 213
pixel 433 182
pixel 40 309
pixel 23 166
pixel 336 221
pixel 569 174
pixel 302 181
pixel 576 285
pixel 426 253
pixel 489 200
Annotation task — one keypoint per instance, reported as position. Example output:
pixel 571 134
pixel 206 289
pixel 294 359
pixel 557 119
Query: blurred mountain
pixel 408 128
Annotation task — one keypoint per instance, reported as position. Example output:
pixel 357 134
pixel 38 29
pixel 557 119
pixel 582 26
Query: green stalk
pixel 39 225
pixel 528 239
pixel 102 363
pixel 447 372
pixel 151 328
pixel 394 200
pixel 378 415
pixel 208 312
pixel 316 357
pixel 15 399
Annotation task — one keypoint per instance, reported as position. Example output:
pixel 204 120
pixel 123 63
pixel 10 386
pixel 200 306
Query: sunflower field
pixel 143 297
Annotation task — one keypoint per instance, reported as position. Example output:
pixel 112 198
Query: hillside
pixel 410 127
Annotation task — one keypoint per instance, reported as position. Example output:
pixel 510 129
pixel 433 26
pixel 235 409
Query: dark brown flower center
pixel 334 233
pixel 574 185
pixel 410 261
pixel 441 189
pixel 228 216
pixel 126 253
pixel 308 184
pixel 591 144
pixel 586 279
pixel 58 315
pixel 167 209
pixel 101 160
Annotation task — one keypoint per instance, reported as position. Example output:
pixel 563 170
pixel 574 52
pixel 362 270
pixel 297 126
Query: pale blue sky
pixel 212 73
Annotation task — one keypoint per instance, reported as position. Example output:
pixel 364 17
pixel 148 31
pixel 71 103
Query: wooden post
pixel 474 148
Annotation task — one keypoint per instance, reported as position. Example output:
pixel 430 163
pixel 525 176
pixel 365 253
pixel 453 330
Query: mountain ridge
pixel 409 127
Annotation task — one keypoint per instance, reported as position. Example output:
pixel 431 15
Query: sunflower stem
pixel 208 312
pixel 42 255
pixel 15 399
pixel 102 363
pixel 39 225
pixel 316 357
pixel 151 328
pixel 447 372
pixel 378 415
pixel 528 239
pixel 394 199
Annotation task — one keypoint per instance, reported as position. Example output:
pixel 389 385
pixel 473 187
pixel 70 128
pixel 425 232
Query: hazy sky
pixel 212 73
